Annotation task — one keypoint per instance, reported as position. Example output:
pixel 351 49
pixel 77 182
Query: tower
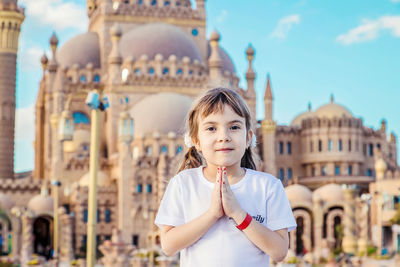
pixel 268 126
pixel 11 18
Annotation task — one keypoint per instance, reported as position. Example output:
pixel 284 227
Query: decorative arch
pixel 80 117
pixel 331 223
pixel 43 235
pixel 303 232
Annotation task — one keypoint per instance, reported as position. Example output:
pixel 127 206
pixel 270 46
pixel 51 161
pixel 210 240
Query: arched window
pixel 280 148
pixel 149 188
pixel 281 174
pixel 289 173
pixel 96 78
pixel 167 3
pixel 80 117
pixel 164 149
pixel 107 216
pixel 151 70
pixel 85 215
pixel 83 78
pixel 139 188
pixel 195 32
pixel 178 149
pixel 330 145
pixel 289 148
pixel 149 150
pixel 154 2
pixel 165 71
pixel 340 145
pixel 337 170
pixel 98 215
pixel 179 72
pixel 137 71
pixel 140 2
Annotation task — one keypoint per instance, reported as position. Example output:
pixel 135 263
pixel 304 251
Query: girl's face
pixel 223 138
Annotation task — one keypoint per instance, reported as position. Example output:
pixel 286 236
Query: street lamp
pixel 65 131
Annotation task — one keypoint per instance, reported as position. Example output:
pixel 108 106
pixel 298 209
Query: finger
pixel 225 182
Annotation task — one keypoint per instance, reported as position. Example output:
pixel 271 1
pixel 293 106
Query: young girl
pixel 218 210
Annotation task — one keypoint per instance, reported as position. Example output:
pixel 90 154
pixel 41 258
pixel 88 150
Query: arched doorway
pixel 43 233
pixel 338 235
pixel 299 235
pixel 5 234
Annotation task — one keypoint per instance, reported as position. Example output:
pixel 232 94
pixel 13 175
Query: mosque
pixel 152 58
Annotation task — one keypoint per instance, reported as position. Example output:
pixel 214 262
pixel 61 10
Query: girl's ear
pixel 249 138
pixel 196 144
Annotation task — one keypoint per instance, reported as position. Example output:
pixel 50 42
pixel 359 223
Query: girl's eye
pixel 210 129
pixel 235 127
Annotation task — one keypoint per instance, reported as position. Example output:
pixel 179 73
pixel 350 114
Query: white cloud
pixel 222 16
pixel 25 124
pixel 59 14
pixel 395 1
pixel 284 26
pixel 370 29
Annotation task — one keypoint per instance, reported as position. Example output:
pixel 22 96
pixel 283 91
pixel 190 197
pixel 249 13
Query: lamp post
pixel 66 128
pixel 93 101
pixel 56 184
pixel 379 203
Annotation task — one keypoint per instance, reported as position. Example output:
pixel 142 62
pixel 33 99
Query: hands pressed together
pixel 223 201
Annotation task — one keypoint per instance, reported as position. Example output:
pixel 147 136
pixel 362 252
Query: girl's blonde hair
pixel 213 101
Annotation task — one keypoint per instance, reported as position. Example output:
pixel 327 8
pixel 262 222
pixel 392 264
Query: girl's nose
pixel 224 136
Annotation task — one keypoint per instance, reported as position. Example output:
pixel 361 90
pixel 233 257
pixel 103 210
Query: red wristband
pixel 245 222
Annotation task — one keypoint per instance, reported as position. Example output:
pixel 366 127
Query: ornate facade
pixel 152 58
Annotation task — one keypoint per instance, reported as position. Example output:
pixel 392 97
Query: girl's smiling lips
pixel 224 149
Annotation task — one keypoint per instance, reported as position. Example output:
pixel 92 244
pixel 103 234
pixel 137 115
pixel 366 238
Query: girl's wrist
pixel 239 216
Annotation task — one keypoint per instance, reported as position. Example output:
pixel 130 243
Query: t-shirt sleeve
pixel 279 212
pixel 170 211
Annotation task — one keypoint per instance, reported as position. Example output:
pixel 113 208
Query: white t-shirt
pixel 188 196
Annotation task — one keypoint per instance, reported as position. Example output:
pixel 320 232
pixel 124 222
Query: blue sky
pixel 311 49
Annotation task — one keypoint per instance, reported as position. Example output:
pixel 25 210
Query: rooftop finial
pixel 268 90
pixel 332 98
pixel 309 106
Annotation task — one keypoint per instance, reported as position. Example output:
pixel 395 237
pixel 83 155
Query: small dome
pixel 102 179
pixel 298 194
pixel 158 38
pixel 42 203
pixel 80 137
pixel 329 193
pixel 215 36
pixel 162 112
pixel 81 49
pixel 6 202
pixel 227 63
pixel 332 110
pixel 302 116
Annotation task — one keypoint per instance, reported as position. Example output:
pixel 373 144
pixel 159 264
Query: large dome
pixel 332 110
pixel 158 38
pixel 302 116
pixel 81 49
pixel 162 112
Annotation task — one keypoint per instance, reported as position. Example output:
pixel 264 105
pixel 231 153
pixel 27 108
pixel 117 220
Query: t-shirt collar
pixel 211 185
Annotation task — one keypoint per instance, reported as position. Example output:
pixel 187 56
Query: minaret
pixel 268 126
pixel 11 18
pixel 250 77
pixel 215 60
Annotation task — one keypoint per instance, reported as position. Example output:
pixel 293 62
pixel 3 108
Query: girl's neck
pixel 235 173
